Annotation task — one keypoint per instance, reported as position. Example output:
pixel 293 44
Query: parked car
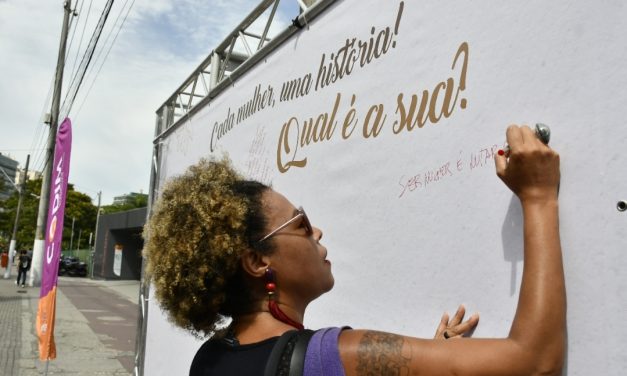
pixel 72 266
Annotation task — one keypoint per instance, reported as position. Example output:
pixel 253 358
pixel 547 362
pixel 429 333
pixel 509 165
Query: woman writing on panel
pixel 219 247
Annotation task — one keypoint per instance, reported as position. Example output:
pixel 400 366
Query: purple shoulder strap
pixel 323 356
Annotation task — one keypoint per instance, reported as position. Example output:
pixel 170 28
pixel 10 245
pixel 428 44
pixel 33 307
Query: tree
pixel 4 244
pixel 2 183
pixel 28 216
pixel 137 201
pixel 3 218
pixel 78 206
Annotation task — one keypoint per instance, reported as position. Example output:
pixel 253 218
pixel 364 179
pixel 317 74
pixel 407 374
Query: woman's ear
pixel 254 263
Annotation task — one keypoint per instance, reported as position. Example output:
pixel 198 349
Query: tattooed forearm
pixel 381 354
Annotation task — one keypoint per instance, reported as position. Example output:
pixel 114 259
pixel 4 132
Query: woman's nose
pixel 317 233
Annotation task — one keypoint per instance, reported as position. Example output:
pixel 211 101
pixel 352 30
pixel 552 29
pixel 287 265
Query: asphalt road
pixel 112 317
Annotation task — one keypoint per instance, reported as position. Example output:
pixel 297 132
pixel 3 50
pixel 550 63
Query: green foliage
pixel 78 207
pixel 28 215
pixel 4 218
pixel 4 244
pixel 139 201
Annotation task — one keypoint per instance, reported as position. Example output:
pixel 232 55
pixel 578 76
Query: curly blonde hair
pixel 200 226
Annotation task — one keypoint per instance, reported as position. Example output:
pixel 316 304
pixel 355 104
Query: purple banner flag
pixel 53 237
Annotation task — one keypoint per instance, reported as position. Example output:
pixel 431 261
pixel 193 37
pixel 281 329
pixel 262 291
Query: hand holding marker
pixel 543 132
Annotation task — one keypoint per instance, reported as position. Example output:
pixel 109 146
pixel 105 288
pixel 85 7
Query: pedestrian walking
pixel 23 267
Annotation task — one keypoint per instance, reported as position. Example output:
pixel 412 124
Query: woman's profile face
pixel 300 261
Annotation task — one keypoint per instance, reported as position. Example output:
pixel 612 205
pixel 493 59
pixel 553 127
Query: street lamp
pixel 72 233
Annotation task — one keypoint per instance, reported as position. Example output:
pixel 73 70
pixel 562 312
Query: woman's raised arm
pixel 536 342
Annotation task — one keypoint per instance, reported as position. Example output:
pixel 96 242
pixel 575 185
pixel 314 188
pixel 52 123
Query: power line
pixel 39 133
pixel 108 51
pixel 12 150
pixel 40 136
pixel 89 53
pixel 42 162
pixel 80 43
pixel 40 151
pixel 67 52
pixel 104 45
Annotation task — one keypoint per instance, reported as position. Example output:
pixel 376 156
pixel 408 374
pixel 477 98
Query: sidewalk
pixel 85 338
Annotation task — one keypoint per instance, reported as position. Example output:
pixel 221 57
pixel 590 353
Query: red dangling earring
pixel 275 311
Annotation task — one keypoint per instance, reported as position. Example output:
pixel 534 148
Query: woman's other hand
pixel 456 327
pixel 531 169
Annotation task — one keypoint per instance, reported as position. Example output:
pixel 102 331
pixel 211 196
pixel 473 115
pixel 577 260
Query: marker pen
pixel 543 132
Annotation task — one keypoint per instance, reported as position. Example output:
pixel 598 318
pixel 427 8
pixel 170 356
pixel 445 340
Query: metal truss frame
pixel 224 65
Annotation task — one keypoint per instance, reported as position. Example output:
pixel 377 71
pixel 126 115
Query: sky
pixel 159 45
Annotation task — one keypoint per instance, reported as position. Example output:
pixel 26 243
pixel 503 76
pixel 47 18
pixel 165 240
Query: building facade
pixel 32 175
pixel 119 244
pixel 129 198
pixel 9 166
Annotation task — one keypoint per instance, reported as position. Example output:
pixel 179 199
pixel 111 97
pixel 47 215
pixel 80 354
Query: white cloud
pixel 160 45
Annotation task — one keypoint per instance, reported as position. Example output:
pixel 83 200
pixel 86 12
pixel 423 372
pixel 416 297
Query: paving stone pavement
pixel 11 329
pixel 82 348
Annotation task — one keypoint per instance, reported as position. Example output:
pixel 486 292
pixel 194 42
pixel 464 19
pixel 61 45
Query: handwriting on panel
pixel 432 176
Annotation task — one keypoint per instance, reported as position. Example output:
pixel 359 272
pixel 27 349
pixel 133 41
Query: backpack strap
pixel 291 345
pixel 297 363
pixel 272 365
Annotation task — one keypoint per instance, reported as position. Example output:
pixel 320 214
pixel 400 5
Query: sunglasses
pixel 300 213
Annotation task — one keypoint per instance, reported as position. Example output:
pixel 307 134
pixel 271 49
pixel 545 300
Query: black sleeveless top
pixel 227 357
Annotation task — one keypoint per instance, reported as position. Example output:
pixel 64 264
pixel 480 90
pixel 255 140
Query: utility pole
pixel 44 197
pixel 7 273
pixel 93 250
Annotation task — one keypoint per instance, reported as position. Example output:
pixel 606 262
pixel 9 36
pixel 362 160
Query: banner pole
pixel 40 232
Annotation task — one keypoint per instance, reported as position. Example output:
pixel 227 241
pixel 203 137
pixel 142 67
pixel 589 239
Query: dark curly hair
pixel 200 226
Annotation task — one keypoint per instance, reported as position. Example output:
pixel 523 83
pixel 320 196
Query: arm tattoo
pixel 381 354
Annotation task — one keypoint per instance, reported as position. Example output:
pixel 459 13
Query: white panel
pixel 404 252
pixel 169 349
